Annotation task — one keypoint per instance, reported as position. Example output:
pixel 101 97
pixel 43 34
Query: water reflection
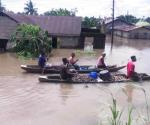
pixel 66 91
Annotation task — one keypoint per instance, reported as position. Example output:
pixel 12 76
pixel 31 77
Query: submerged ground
pixel 25 101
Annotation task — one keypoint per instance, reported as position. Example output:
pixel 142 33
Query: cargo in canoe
pixel 83 79
pixel 56 69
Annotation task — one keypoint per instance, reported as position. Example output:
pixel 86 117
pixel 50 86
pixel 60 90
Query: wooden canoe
pixel 56 69
pixel 55 78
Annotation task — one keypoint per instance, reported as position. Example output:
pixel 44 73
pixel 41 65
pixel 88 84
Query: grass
pixel 129 116
pixel 115 116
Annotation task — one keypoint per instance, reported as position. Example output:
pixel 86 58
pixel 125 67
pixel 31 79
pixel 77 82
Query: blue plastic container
pixel 83 68
pixel 93 75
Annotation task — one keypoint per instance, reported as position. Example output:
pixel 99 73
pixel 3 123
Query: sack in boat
pixel 105 75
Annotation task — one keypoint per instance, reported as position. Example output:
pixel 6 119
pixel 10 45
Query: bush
pixel 31 40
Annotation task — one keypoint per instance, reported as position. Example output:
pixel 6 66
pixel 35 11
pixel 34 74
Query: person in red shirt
pixel 131 74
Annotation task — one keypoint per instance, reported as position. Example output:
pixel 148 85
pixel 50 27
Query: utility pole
pixel 0 6
pixel 112 30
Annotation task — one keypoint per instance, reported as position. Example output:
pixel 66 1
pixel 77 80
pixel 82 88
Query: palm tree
pixel 29 9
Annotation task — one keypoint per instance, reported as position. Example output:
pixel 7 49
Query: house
pixel 132 32
pixel 65 31
pixel 127 30
pixel 7 26
pixel 117 22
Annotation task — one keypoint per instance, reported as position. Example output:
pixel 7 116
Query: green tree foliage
pixel 29 8
pixel 147 19
pixel 91 22
pixel 128 18
pixel 2 8
pixel 61 12
pixel 31 40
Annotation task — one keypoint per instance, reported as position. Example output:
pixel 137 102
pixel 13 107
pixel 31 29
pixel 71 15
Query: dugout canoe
pixel 118 78
pixel 56 69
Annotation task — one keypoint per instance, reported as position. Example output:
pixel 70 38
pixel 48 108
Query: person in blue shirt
pixel 42 60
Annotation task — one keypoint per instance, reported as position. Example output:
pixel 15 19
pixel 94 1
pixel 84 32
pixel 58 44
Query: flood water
pixel 25 101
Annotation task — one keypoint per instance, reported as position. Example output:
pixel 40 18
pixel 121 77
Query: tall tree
pixel 128 18
pixel 91 22
pixel 29 8
pixel 147 19
pixel 61 12
pixel 2 8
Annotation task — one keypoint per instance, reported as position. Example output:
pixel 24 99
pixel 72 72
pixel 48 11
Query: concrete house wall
pixel 7 27
pixel 137 33
pixel 140 33
pixel 69 42
pixel 121 33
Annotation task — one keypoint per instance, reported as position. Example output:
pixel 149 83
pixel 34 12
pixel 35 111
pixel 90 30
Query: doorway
pixel 54 42
pixel 3 44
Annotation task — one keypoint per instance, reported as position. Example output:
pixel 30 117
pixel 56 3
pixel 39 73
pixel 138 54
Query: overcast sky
pixel 138 8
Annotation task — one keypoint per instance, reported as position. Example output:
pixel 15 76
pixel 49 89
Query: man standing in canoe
pixel 131 74
pixel 101 61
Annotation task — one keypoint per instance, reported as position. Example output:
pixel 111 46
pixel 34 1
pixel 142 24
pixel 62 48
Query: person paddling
pixel 73 61
pixel 131 74
pixel 101 61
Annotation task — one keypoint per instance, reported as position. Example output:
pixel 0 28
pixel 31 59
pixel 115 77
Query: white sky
pixel 138 8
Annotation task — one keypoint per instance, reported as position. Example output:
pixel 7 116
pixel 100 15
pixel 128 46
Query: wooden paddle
pixel 43 69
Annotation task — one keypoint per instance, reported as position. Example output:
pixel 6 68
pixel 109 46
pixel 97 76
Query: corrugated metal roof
pixel 116 20
pixel 55 25
pixel 59 25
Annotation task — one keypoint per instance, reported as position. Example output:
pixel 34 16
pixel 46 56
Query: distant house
pixel 128 30
pixel 65 31
pixel 133 32
pixel 117 22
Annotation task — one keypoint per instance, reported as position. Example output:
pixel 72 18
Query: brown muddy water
pixel 25 101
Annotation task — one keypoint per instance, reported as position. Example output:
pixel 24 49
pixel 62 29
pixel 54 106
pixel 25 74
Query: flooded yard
pixel 25 101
